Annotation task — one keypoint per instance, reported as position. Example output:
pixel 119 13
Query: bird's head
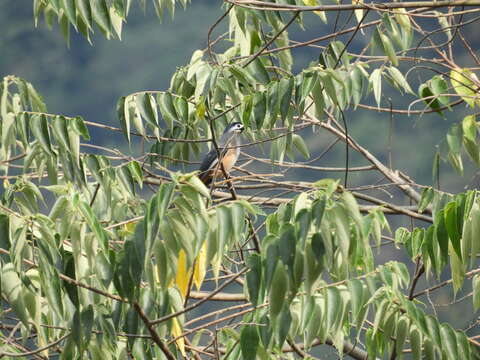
pixel 234 128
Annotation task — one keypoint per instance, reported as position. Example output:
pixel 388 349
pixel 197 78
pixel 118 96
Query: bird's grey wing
pixel 209 160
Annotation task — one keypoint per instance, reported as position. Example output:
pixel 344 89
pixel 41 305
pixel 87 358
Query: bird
pixel 228 150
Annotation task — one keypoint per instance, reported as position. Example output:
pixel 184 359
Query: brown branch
pixel 193 306
pixel 221 296
pixel 393 176
pixel 155 337
pixel 419 270
pixel 37 351
pixel 75 282
pixel 210 30
pixel 269 42
pixel 442 284
pixel 263 5
pixel 214 322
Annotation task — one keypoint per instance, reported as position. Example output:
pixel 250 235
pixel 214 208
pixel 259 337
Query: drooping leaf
pixel 464 85
pixel 249 341
pixel 376 83
pixel 278 290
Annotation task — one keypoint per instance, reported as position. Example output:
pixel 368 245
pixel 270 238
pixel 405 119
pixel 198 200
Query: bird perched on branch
pixel 210 168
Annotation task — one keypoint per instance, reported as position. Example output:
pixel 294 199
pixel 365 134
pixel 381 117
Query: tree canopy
pixel 112 253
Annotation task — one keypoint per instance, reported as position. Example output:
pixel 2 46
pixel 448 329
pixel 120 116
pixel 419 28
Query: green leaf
pixel 318 210
pixel 441 234
pixel 167 108
pixel 473 224
pixel 352 207
pixel 278 290
pixel 283 325
pixel 452 226
pixel 94 225
pixel 79 127
pixel 302 223
pixel 356 297
pixel 199 186
pixel 286 245
pixel 85 12
pixel 123 117
pixel 401 333
pixel 454 140
pixel 426 199
pixel 469 130
pixel 12 290
pixel 285 88
pixel 101 15
pixel 242 76
pixel 249 340
pixel 39 127
pixel 449 342
pixel 380 313
pixel 342 227
pixel 433 330
pixel 148 108
pixel 357 85
pixel 457 269
pixel 334 307
pixel 389 49
pixel 136 171
pixel 254 278
pixel 69 7
pixel 60 132
pixel 428 96
pixel 476 292
pixel 126 178
pixel 259 109
pixel 258 71
pixel 318 246
pixel 399 79
pixel 416 342
pixel 371 344
pixel 469 127
pixel 439 86
pixel 463 345
pixel 389 324
pixel 224 230
pixel 301 146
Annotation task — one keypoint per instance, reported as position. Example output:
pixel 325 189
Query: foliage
pixel 101 251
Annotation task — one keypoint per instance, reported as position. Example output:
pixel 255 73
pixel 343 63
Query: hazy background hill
pixel 87 80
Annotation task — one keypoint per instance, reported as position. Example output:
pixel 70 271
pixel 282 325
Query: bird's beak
pixel 241 129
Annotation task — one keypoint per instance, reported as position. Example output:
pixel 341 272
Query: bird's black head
pixel 235 127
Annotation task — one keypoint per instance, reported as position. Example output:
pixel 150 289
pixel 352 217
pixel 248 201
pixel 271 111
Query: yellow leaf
pixel 401 15
pixel 200 267
pixel 201 110
pixel 358 12
pixel 130 227
pixel 183 274
pixel 177 331
pixel 117 22
pixel 463 82
pixel 216 263
pixel 321 14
